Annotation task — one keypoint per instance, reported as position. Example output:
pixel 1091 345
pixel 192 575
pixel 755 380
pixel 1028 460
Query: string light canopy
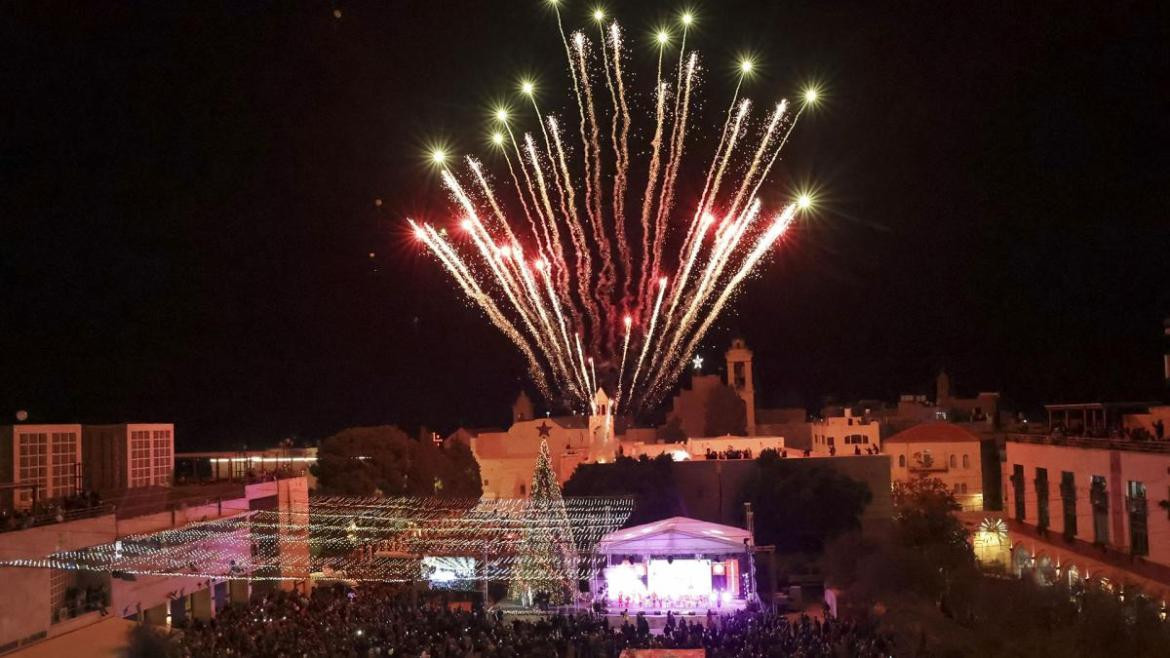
pixel 356 539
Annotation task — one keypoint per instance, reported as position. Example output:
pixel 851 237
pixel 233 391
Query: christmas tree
pixel 546 568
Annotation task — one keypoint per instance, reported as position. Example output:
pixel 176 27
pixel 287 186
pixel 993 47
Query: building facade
pixel 845 435
pixel 39 463
pixel 944 451
pixel 128 455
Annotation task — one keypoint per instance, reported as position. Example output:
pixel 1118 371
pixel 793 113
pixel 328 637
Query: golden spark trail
pixel 584 368
pixel 677 142
pixel 763 245
pixel 540 234
pixel 625 351
pixel 725 243
pixel 463 277
pixel 649 334
pixel 576 234
pixel 751 172
pixel 563 311
pixel 543 267
pixel 593 192
pixel 558 251
pixel 477 168
pixel 489 253
pixel 621 175
pixel 650 263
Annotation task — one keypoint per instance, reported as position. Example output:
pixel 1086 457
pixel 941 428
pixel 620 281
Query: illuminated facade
pixel 39 463
pixel 845 435
pixel 128 455
pixel 945 451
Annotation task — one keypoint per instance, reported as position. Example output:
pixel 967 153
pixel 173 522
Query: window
pixel 902 461
pixel 954 464
pixel 140 466
pixel 1068 501
pixel 955 488
pixel 963 487
pixel 1139 536
pixel 966 461
pixel 1018 491
pixel 162 445
pixel 65 463
pixel 34 465
pixel 1042 498
pixel 1099 500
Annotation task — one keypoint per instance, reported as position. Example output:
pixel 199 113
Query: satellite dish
pixel 21 415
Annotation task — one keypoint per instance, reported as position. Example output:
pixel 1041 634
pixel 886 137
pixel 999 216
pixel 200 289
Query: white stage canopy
pixel 677 535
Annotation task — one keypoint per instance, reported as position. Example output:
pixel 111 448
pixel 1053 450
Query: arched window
pixel 966 461
pixel 963 487
pixel 901 461
pixel 953 464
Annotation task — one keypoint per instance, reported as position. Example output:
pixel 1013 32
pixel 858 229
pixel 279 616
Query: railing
pixel 1161 447
pixel 23 521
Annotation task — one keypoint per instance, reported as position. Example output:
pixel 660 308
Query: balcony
pixel 1093 442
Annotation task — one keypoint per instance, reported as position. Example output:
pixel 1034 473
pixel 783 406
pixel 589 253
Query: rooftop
pixel 935 433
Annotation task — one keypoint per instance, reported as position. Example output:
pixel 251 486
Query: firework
pixel 610 273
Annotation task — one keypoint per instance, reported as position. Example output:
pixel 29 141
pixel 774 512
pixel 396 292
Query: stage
pixel 679 565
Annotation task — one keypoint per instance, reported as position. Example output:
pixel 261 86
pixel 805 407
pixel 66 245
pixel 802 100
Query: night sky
pixel 189 205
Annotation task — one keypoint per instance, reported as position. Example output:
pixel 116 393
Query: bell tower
pixel 739 378
pixel 522 408
pixel 601 439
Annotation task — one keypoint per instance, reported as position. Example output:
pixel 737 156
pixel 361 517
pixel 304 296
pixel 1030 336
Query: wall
pixel 710 489
pixel 905 465
pixel 25 607
pixel 1117 466
pixel 831 432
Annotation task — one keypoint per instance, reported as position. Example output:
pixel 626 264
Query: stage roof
pixel 677 535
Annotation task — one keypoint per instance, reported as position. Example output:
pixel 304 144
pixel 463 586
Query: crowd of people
pixel 730 453
pixel 46 512
pixel 385 620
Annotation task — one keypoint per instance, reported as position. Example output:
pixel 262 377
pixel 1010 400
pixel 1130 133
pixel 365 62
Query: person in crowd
pixel 383 619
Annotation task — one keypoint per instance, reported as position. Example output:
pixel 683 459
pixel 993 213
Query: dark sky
pixel 188 204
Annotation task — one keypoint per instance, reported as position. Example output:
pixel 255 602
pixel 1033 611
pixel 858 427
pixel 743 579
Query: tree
pixel 364 461
pixel 546 571
pixel 798 507
pixel 147 641
pixel 650 482
pixel 925 521
pixel 671 432
pixel 726 413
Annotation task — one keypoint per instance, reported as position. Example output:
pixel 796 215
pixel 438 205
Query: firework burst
pixel 598 280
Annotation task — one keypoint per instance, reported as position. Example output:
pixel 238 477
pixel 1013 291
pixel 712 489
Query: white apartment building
pixel 128 455
pixel 845 435
pixel 39 462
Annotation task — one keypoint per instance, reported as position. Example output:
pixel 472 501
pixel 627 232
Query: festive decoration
pixel 360 539
pixel 548 561
pixel 560 248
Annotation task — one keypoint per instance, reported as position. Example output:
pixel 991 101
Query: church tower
pixel 942 389
pixel 601 439
pixel 739 378
pixel 522 408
